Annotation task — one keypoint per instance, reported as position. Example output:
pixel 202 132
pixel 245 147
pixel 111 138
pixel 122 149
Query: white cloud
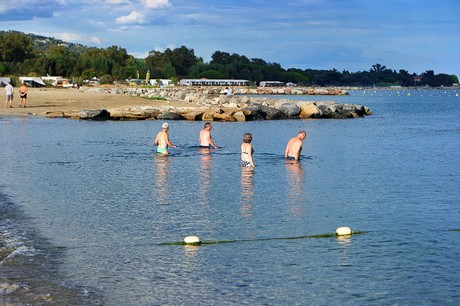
pixel 133 17
pixel 96 40
pixel 75 38
pixel 70 37
pixel 156 4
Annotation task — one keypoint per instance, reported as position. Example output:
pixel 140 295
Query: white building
pixel 162 82
pixel 271 83
pixel 213 82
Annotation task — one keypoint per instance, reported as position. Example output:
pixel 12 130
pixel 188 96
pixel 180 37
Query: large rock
pixel 99 114
pixel 343 114
pixel 224 117
pixel 120 114
pixel 307 109
pixel 253 113
pixel 239 116
pixel 170 116
pixel 193 116
pixel 290 110
pixel 208 116
pixel 271 113
pixel 55 114
pixel 323 112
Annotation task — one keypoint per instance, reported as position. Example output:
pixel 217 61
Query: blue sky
pixel 353 35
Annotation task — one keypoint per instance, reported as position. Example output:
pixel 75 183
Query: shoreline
pixel 178 103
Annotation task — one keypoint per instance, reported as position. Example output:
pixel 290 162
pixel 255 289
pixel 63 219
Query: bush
pixel 106 79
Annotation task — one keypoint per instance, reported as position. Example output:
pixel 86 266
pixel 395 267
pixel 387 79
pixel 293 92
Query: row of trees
pixel 26 54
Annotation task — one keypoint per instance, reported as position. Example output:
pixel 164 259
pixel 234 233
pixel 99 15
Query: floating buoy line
pixel 195 240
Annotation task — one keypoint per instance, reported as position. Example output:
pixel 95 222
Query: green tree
pixel 15 47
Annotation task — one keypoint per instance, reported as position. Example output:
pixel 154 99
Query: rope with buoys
pixel 195 240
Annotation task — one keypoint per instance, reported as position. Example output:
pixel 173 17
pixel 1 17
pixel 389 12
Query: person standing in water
pixel 247 151
pixel 205 137
pixel 162 140
pixel 294 146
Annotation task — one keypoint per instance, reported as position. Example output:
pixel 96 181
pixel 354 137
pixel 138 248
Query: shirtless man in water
pixel 294 146
pixel 162 140
pixel 205 137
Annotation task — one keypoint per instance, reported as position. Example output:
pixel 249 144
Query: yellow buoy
pixel 192 240
pixel 343 231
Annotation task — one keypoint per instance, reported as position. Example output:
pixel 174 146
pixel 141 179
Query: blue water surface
pixel 98 192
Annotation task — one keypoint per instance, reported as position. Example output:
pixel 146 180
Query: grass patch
pixel 155 98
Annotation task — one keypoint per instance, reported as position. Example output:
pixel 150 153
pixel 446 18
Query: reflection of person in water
pixel 161 179
pixel 246 191
pixel 295 194
pixel 205 175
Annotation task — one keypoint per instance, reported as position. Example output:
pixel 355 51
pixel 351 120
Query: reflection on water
pixel 205 175
pixel 247 192
pixel 191 251
pixel 161 179
pixel 295 191
pixel 344 243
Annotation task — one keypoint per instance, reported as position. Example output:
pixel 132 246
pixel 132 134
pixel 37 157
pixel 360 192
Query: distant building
pixel 271 83
pixel 417 79
pixel 32 81
pixel 56 81
pixel 213 82
pixel 4 81
pixel 161 82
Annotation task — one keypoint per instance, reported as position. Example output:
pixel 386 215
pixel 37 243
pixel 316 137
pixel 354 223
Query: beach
pixel 41 101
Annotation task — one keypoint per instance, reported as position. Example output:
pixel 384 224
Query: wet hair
pixel 304 133
pixel 207 124
pixel 247 138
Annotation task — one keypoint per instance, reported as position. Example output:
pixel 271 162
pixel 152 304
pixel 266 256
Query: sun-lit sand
pixel 43 100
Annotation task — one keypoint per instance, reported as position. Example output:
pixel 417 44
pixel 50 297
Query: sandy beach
pixel 44 100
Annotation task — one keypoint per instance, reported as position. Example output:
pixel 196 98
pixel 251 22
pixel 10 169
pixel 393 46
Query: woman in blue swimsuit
pixel 162 140
pixel 247 151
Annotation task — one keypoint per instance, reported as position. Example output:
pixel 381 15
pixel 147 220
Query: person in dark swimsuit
pixel 294 146
pixel 205 139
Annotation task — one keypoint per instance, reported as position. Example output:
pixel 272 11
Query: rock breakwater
pixel 207 104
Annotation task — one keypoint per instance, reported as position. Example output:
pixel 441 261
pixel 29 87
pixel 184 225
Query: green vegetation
pixel 155 98
pixel 32 55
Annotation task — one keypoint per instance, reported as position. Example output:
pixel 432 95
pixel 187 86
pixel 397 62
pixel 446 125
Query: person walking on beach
pixel 247 151
pixel 9 95
pixel 205 137
pixel 294 146
pixel 162 140
pixel 23 95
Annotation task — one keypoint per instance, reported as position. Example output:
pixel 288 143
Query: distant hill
pixel 43 43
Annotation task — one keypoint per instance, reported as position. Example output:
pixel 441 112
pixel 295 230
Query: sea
pixel 90 215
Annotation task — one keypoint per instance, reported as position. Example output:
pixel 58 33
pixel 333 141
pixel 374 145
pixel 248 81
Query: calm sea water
pixel 88 207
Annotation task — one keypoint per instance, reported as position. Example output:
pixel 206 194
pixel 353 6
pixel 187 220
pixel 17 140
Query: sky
pixel 352 35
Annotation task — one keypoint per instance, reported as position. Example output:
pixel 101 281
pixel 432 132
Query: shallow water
pixel 95 196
